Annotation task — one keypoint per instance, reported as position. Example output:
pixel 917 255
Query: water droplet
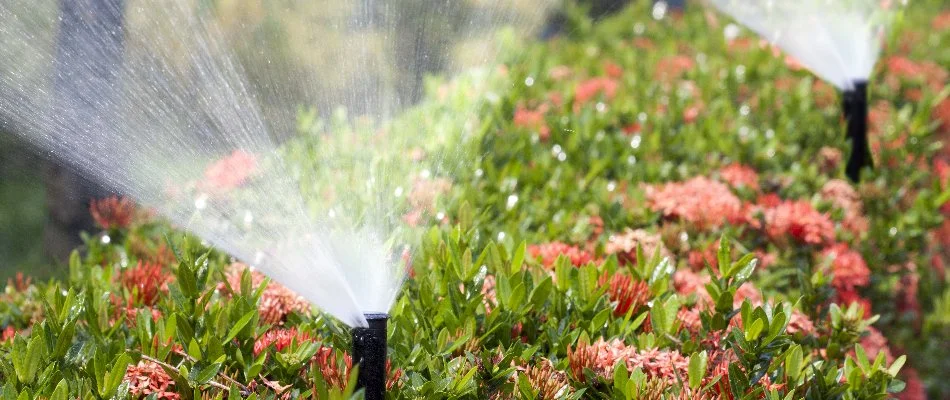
pixel 556 149
pixel 659 10
pixel 731 32
pixel 479 173
pixel 611 186
pixel 201 202
pixel 744 110
pixel 601 107
pixel 332 214
pixel 892 231
pixel 769 134
pixel 632 160
pixel 106 239
pixel 501 236
pixel 642 117
pixel 684 237
pixel 639 28
pixel 398 191
pixel 439 216
pixel 512 200
pixel 635 141
pixel 561 157
pixel 529 81
pixel 425 174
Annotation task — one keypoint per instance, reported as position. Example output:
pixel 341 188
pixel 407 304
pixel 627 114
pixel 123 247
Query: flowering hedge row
pixel 642 209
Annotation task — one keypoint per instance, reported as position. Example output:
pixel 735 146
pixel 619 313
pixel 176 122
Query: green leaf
pixel 205 374
pixel 724 257
pixel 113 379
pixel 239 325
pixel 61 392
pixel 793 363
pixel 518 258
pixel 541 292
pixel 697 369
pixel 896 365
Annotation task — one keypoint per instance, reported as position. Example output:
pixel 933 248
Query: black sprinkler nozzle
pixel 369 351
pixel 855 109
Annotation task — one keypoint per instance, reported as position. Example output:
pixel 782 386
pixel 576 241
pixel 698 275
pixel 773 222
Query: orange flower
pixel 112 212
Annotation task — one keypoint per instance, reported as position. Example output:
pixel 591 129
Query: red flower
pixel 850 270
pixel 280 338
pixel 701 201
pixel 336 372
pixel 8 333
pixel 613 70
pixel 691 113
pixel 848 297
pixel 829 159
pixel 673 67
pixel 800 323
pixel 546 379
pixel 942 21
pixel 549 253
pixel 799 220
pixel 587 90
pixel 843 196
pixel 148 378
pixel 626 293
pixel 146 282
pixel 532 119
pixel 112 212
pixel 739 176
pixel 230 172
pixel 875 342
pixel 907 301
pixel 625 245
pixel 276 302
pixel 915 389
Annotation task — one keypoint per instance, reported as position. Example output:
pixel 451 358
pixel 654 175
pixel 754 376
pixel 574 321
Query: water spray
pixel 369 352
pixel 839 41
pixel 855 109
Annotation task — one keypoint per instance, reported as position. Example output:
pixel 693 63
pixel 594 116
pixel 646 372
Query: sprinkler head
pixel 855 109
pixel 369 352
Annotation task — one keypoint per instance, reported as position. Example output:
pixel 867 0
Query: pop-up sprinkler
pixel 369 351
pixel 855 102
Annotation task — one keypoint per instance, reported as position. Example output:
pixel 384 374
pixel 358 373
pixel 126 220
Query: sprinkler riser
pixel 369 351
pixel 855 110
